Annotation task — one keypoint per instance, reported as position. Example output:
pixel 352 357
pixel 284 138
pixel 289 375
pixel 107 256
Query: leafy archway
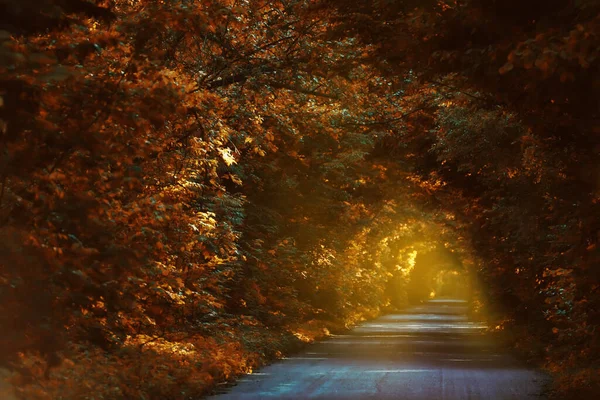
pixel 220 180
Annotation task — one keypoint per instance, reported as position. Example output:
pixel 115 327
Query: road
pixel 428 352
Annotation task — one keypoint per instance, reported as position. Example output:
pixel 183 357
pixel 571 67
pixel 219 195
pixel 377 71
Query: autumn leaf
pixel 227 156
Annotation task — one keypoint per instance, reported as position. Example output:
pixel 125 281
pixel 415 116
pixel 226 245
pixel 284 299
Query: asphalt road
pixel 428 352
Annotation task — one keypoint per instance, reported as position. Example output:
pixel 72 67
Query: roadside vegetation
pixel 190 189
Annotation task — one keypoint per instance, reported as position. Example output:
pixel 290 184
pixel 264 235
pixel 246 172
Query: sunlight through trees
pixel 190 189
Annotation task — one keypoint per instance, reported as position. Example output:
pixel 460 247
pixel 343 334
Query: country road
pixel 428 352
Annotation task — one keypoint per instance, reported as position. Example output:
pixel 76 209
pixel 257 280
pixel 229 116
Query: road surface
pixel 428 352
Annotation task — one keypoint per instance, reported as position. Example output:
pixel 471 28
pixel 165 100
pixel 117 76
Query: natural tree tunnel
pixel 190 189
pixel 437 272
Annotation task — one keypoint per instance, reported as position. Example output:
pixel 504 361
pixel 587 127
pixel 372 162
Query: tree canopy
pixel 191 188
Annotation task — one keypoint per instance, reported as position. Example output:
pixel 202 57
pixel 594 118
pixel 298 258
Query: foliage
pixel 509 144
pixel 189 189
pixel 170 177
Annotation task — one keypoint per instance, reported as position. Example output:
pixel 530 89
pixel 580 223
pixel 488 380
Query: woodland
pixel 190 189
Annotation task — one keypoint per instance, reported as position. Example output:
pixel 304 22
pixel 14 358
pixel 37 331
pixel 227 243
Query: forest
pixel 191 189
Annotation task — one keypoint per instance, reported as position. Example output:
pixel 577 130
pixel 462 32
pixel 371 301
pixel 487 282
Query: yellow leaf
pixel 235 179
pixel 227 156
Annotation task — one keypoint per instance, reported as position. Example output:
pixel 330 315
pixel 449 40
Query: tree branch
pixel 388 121
pixel 299 89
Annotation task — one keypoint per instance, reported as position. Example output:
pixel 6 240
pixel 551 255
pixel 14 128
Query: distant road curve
pixel 429 352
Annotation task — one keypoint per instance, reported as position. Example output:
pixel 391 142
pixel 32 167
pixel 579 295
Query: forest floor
pixel 431 351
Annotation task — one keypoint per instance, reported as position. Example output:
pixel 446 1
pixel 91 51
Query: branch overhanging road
pixel 428 352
